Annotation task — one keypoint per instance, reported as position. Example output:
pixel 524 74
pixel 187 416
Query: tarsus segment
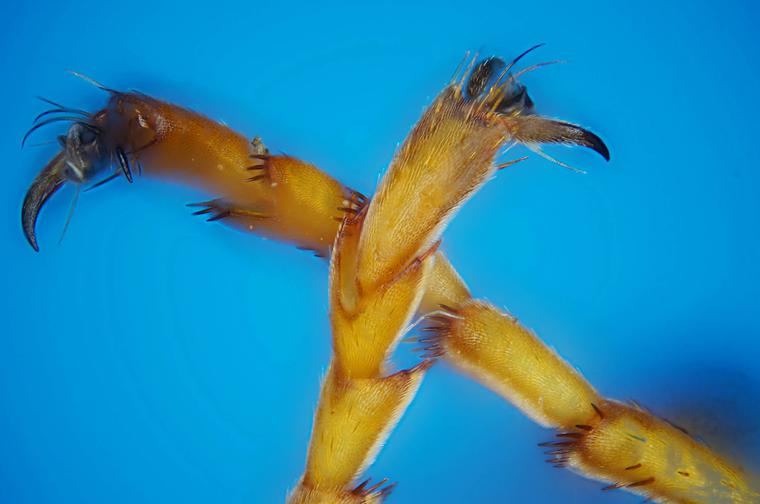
pixel 600 438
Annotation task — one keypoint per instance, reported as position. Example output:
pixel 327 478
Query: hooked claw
pixel 491 82
pixel 541 130
pixel 49 180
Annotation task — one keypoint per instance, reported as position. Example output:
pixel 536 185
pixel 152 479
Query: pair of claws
pixel 87 147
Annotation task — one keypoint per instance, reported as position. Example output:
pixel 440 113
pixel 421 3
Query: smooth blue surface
pixel 154 358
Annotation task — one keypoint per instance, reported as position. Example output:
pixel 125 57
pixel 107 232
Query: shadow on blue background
pixel 154 358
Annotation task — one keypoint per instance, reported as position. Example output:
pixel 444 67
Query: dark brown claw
pixel 492 82
pixel 539 130
pixel 49 180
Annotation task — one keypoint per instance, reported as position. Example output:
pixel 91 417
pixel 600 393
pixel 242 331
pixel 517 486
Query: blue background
pixel 154 358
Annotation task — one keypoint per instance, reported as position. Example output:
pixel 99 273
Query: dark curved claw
pixel 49 180
pixel 538 130
pixel 575 135
pixel 593 142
